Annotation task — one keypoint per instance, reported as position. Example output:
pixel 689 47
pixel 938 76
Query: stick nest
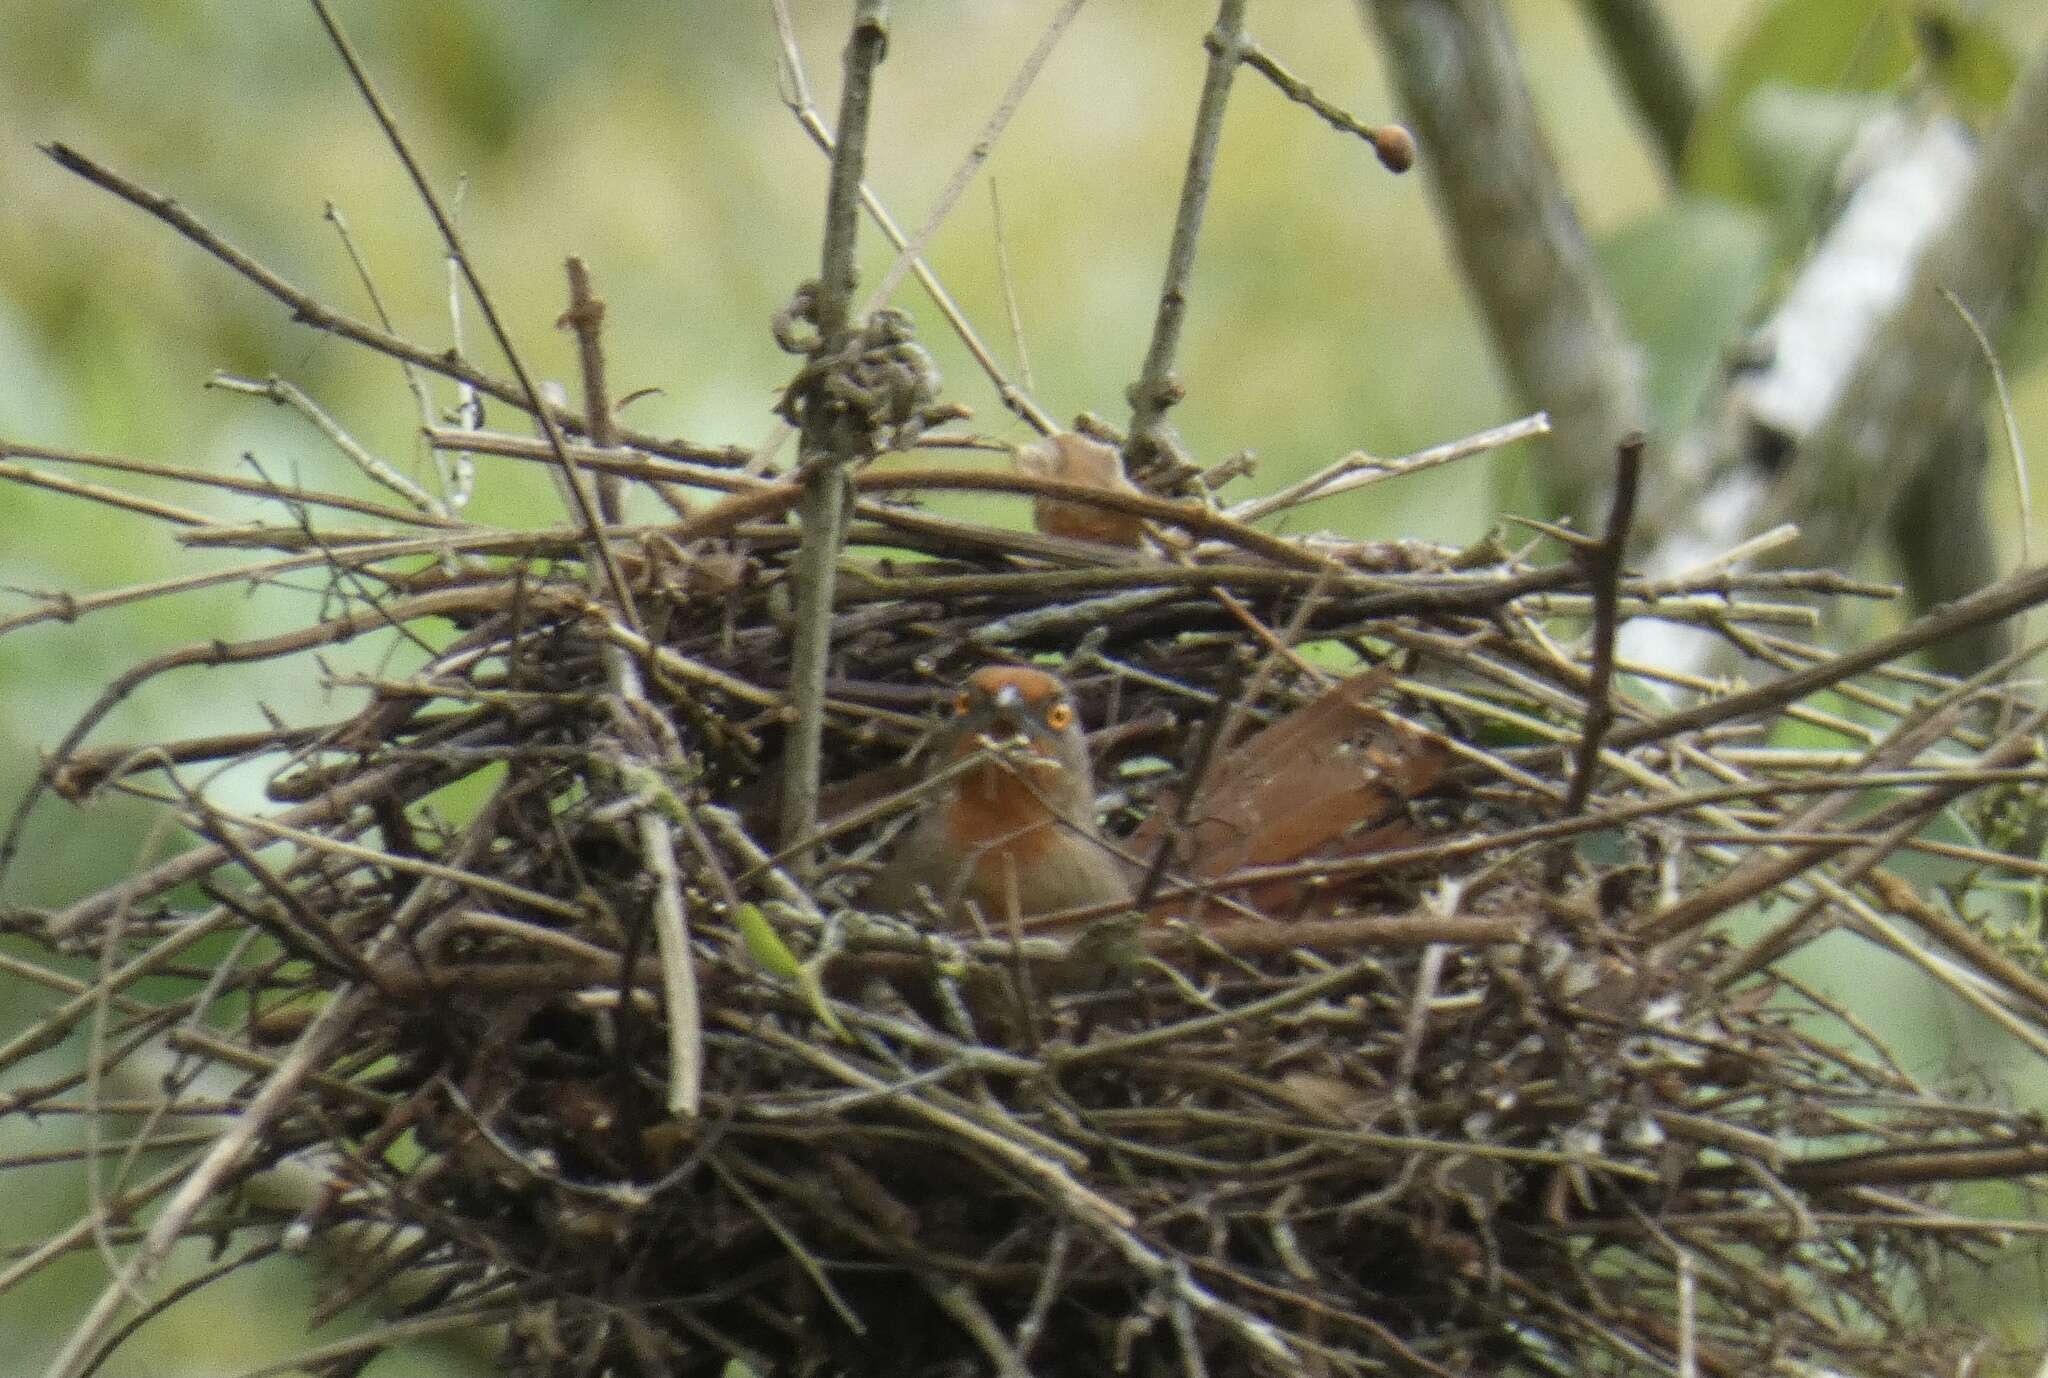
pixel 1500 1095
pixel 513 1006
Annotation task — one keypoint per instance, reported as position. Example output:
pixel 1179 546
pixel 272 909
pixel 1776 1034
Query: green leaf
pixel 765 945
pixel 1971 61
pixel 773 956
pixel 1686 277
pixel 1792 140
pixel 1823 45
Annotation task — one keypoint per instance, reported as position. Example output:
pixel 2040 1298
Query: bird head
pixel 1026 720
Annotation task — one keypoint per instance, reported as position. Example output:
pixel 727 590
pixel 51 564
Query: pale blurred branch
pixel 1515 232
pixel 1642 48
pixel 1920 382
pixel 1896 188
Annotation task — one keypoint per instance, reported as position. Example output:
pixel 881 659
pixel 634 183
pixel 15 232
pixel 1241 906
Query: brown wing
pixel 1321 783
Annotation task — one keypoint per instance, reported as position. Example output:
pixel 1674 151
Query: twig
pixel 1009 283
pixel 1763 543
pixel 1051 1174
pixel 459 478
pixel 958 1301
pixel 1393 145
pixel 2025 589
pixel 333 631
pixel 796 97
pixel 1899 819
pixel 584 508
pixel 1603 570
pixel 88 770
pixel 199 1186
pixel 110 497
pixel 2015 449
pixel 34 1258
pixel 1439 854
pixel 644 740
pixel 1196 519
pixel 310 311
pixel 826 447
pixel 762 499
pixel 413 380
pixel 1357 469
pixel 358 1351
pixel 812 1266
pixel 685 1022
pixel 281 393
pixel 1946 928
pixel 339 802
pixel 585 317
pixel 1157 389
pixel 978 153
pixel 227 483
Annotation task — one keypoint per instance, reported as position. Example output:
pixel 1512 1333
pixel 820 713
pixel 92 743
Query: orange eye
pixel 1060 716
pixel 961 704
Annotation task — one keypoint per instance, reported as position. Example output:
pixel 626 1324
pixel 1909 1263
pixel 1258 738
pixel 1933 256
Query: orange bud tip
pixel 1396 147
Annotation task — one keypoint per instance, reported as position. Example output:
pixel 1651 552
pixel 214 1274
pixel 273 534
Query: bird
pixel 1008 830
pixel 1013 834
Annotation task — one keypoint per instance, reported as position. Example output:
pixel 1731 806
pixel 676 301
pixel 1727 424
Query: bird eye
pixel 961 703
pixel 1060 716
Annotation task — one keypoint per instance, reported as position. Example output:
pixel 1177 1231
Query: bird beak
pixel 1015 745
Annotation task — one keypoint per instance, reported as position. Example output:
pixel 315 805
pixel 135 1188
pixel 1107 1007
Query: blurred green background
pixel 649 139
